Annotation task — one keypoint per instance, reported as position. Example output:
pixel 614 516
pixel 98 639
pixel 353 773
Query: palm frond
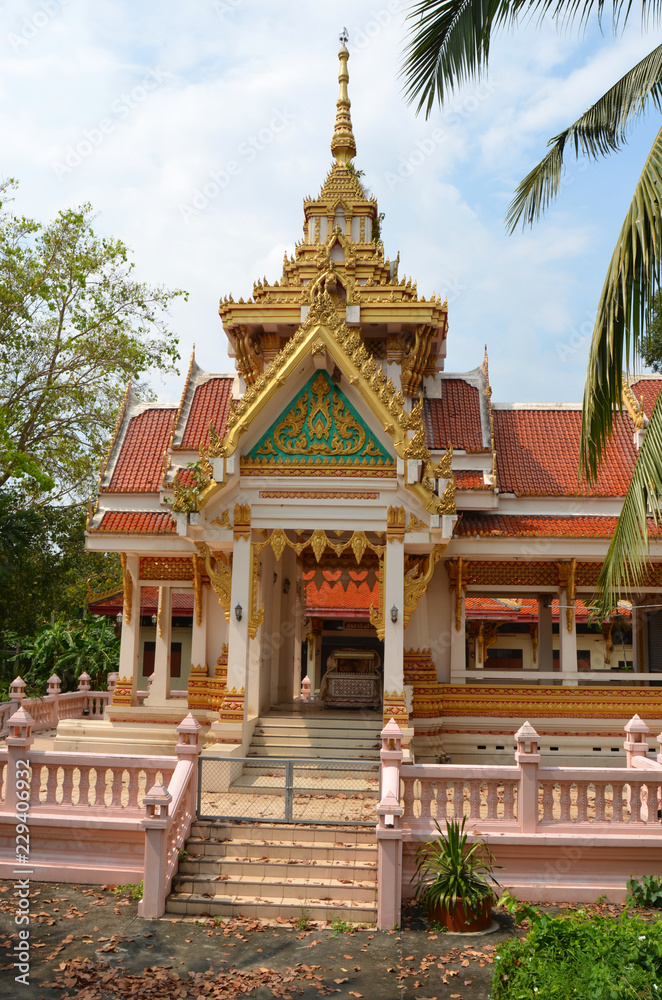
pixel 450 39
pixel 628 291
pixel 627 557
pixel 603 129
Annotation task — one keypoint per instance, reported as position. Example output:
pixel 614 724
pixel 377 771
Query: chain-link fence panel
pixel 288 791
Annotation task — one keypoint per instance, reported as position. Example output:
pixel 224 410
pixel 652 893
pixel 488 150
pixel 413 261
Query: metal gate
pixel 279 790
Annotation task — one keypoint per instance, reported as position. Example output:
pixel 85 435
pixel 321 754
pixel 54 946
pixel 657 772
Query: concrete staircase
pixel 351 738
pixel 269 871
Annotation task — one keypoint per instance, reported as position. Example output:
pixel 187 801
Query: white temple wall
pixel 216 629
pixel 439 611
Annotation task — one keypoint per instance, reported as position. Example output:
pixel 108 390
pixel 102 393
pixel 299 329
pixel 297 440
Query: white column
pixel 545 634
pixel 567 642
pixel 130 641
pixel 393 583
pixel 238 630
pixel 458 641
pixel 159 691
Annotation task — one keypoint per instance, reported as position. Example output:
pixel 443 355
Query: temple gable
pixel 319 427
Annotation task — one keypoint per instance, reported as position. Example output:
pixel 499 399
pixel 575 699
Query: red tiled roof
pixel 526 609
pixel 649 388
pixel 538 525
pixel 186 477
pixel 140 462
pixel 470 479
pixel 455 418
pixel 538 454
pixel 182 603
pixel 211 402
pixel 142 521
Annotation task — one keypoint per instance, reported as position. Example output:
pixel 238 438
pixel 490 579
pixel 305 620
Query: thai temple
pixel 340 530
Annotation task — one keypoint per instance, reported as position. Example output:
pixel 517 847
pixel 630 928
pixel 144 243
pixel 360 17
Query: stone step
pixel 281 833
pixel 328 910
pixel 282 732
pixel 237 867
pixel 300 888
pixel 302 752
pixel 310 739
pixel 361 854
pixel 372 723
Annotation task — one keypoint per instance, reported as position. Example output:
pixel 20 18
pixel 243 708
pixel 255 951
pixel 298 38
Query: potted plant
pixel 455 879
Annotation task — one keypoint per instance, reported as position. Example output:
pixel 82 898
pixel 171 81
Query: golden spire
pixel 343 146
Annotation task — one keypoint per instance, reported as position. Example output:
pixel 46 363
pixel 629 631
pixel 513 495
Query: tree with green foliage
pixel 449 45
pixel 67 649
pixel 75 327
pixel 651 348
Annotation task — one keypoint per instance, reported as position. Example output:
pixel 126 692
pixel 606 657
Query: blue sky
pixel 140 107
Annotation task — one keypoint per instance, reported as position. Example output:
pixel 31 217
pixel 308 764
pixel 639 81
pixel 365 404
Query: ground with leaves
pixel 89 944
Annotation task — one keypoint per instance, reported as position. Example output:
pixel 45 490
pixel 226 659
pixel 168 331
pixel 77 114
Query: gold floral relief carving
pixel 256 613
pixel 418 573
pixel 220 577
pixel 128 589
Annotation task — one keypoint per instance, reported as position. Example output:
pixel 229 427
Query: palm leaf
pixel 627 294
pixel 627 556
pixel 450 39
pixel 602 130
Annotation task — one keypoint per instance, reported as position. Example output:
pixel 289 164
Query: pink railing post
pixel 306 688
pixel 155 825
pixel 527 761
pixel 189 748
pixel 635 747
pixel 54 689
pixel 17 690
pixel 19 741
pixel 84 682
pixel 111 681
pixel 389 830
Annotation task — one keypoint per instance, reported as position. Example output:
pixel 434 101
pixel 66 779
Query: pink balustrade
pixel 559 832
pixel 46 712
pixel 87 811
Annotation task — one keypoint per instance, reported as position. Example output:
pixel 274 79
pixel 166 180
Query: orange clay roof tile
pixel 137 521
pixel 140 462
pixel 649 388
pixel 538 454
pixel 211 403
pixel 470 479
pixel 455 418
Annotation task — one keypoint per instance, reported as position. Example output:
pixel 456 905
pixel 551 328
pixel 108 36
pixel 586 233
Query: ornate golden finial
pixel 343 146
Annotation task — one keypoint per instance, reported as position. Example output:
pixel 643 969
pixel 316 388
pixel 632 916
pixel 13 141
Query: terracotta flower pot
pixel 478 918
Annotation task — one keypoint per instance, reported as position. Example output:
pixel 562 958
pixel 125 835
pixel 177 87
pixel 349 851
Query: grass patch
pixel 580 955
pixel 132 889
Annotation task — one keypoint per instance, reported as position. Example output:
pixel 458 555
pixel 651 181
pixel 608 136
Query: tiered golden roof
pixel 341 254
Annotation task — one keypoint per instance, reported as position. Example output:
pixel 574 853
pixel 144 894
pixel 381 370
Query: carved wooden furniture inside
pixel 352 679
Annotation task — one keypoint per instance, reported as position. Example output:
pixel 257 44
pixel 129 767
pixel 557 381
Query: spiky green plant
pixel 449 869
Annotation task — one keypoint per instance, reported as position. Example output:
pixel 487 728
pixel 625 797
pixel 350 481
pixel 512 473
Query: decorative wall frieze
pixel 155 568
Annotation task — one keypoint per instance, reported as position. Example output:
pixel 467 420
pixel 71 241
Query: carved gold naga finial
pixel 343 145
